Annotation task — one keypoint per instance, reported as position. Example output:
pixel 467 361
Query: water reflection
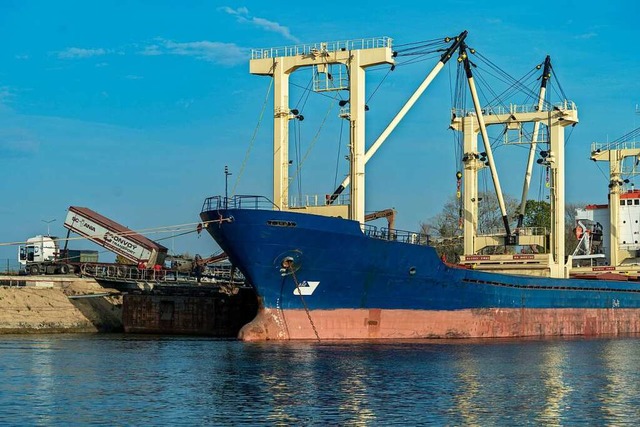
pixel 555 389
pixel 286 380
pixel 352 377
pixel 619 396
pixel 124 380
pixel 468 388
pixel 303 378
pixel 40 392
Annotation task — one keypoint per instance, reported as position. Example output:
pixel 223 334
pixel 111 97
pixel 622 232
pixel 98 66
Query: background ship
pixel 321 272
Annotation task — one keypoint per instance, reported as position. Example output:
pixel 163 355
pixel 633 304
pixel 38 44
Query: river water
pixel 106 379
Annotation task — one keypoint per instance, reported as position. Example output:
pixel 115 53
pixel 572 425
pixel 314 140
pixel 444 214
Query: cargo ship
pixel 322 273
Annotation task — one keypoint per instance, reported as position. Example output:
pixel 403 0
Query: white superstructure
pixel 628 226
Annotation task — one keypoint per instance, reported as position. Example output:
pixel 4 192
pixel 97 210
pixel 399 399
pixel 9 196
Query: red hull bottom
pixel 345 324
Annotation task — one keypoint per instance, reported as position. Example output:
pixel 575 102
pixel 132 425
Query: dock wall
pixel 189 311
pixel 57 305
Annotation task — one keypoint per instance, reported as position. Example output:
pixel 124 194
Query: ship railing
pixel 307 200
pixel 238 202
pixel 565 105
pixel 395 235
pixel 322 48
pixel 131 273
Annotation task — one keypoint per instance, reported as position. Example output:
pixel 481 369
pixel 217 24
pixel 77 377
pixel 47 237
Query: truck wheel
pixel 64 269
pixel 34 269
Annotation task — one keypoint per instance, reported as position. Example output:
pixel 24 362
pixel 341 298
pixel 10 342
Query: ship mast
pixel 471 123
pixel 280 63
pixel 615 155
pixel 485 139
pixel 444 58
pixel 546 73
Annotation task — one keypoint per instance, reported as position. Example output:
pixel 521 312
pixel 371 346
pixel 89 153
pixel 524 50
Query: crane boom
pixel 403 111
pixel 546 73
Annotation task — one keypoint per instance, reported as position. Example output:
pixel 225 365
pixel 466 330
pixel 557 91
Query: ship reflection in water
pixel 620 391
pixel 129 380
pixel 469 386
pixel 552 372
pixel 301 376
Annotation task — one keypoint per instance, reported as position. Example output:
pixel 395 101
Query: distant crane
pixel 389 214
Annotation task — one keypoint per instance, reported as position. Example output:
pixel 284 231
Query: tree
pixel 570 240
pixel 446 228
pixel 489 215
pixel 537 213
pixel 446 231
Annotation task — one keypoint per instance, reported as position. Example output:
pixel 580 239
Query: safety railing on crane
pixel 307 200
pixel 565 105
pixel 322 47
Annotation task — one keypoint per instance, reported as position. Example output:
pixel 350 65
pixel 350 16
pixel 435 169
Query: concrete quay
pixel 55 304
pixel 67 303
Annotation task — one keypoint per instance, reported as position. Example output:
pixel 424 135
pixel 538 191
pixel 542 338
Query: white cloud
pixel 151 50
pixel 586 36
pixel 211 51
pixel 242 15
pixel 14 144
pixel 6 95
pixel 23 56
pixel 77 52
pixel 275 27
pixel 185 103
pixel 239 12
pixel 133 77
pixel 217 52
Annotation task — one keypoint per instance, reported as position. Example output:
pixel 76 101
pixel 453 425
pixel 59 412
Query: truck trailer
pixel 115 237
pixel 42 254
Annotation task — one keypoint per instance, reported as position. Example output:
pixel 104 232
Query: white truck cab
pixel 38 251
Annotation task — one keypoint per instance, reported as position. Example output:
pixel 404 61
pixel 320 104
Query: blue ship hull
pixel 323 277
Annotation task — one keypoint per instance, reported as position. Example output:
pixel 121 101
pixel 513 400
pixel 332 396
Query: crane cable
pixel 253 139
pixel 297 131
pixel 312 144
pixel 335 178
pixel 515 86
pixel 143 232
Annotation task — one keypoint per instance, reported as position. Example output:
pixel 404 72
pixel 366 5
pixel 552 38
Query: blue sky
pixel 133 108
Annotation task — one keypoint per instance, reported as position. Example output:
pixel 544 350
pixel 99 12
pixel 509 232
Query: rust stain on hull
pixel 339 324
